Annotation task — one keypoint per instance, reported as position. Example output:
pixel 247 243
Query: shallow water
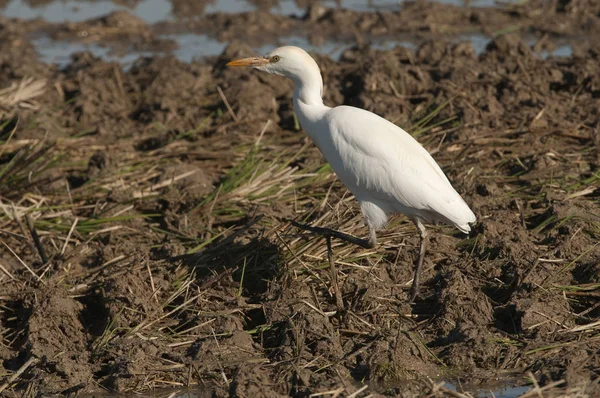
pixel 192 45
pixel 153 11
pixel 506 391
pixel 499 392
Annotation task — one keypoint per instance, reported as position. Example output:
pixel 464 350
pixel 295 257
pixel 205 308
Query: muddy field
pixel 145 212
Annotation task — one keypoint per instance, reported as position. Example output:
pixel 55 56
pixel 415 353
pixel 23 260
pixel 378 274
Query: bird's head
pixel 289 61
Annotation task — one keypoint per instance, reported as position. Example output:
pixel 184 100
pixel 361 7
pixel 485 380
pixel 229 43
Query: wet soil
pixel 165 257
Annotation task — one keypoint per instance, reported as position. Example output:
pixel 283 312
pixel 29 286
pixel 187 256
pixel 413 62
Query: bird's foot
pixel 413 293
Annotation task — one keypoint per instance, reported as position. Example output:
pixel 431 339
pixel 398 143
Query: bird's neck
pixel 308 102
pixel 309 108
pixel 309 87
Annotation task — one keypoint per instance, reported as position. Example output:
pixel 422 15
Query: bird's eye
pixel 274 58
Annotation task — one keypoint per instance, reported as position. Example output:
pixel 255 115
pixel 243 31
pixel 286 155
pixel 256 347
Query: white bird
pixel 384 167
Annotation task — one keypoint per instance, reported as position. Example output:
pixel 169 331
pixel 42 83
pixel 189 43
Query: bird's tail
pixel 466 218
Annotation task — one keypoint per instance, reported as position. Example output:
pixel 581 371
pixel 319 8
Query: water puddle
pixel 291 7
pixel 502 392
pixel 563 50
pixel 507 391
pixel 59 52
pixel 153 11
pixel 192 46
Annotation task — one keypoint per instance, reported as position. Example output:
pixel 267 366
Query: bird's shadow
pixel 244 259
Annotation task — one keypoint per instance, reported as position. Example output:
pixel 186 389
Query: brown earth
pixel 166 257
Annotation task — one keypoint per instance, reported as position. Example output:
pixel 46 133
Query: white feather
pixel 381 163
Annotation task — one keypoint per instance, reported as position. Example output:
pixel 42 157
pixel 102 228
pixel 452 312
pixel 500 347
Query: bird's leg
pixel 328 234
pixel 414 289
pixel 334 280
pixel 364 243
pixel 372 237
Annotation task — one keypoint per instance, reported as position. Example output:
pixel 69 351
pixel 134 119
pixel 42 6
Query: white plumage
pixel 385 168
pixel 388 168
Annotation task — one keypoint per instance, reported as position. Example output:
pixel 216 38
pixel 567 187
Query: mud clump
pixel 531 313
pixel 249 382
pixel 120 31
pixel 161 196
pixel 57 335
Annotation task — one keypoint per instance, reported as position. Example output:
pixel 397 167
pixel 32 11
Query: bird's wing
pixel 391 165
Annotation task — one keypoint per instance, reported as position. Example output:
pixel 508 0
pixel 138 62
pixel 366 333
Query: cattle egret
pixel 384 167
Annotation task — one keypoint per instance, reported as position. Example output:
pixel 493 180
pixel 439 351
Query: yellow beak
pixel 254 61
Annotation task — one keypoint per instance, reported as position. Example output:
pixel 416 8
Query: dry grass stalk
pixel 20 94
pixel 30 362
